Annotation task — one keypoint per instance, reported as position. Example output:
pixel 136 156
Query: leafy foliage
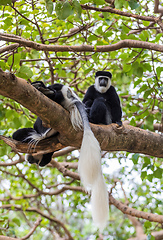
pixel 137 76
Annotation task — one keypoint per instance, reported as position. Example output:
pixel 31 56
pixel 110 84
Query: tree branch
pixel 136 213
pixel 121 13
pixel 156 8
pixel 157 235
pixel 126 43
pixel 111 137
pixel 7 238
pixel 9 48
pixel 36 224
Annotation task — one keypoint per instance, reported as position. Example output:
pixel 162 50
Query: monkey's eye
pixel 69 93
pixel 103 78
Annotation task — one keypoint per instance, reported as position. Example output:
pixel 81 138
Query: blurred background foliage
pixel 137 76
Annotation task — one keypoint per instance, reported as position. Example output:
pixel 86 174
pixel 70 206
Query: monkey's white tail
pixel 90 162
pixel 91 176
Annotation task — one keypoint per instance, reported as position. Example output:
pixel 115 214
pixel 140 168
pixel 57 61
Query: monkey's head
pixel 102 81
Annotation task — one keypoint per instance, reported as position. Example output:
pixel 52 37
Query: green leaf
pixel 150 237
pixel 143 174
pixel 127 67
pixel 144 35
pixel 16 221
pixel 58 8
pixel 63 10
pixel 139 72
pixel 135 158
pixel 150 177
pixel 136 83
pixel 14 59
pixel 147 160
pixel 158 173
pixel 25 72
pixel 118 4
pixel 49 6
pixel 143 88
pixel 2 65
pixel 158 36
pixel 76 7
pixel 5 2
pixel 133 4
pixel 99 2
pixel 8 22
pixel 147 93
pixel 147 224
pixel 159 70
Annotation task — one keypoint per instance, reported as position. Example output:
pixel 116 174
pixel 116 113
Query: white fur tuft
pixel 38 136
pixel 89 160
pixel 76 119
pixel 100 203
pixel 91 176
pixel 69 97
pixel 69 103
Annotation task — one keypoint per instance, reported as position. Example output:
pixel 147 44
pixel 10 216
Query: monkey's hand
pixel 119 123
pixel 40 86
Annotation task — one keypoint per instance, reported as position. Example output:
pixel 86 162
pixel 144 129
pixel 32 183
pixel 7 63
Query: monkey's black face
pixel 103 81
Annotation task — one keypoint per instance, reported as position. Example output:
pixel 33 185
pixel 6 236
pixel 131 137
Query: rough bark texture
pixel 126 43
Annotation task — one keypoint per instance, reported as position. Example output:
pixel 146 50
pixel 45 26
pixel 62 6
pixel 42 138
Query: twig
pixel 37 223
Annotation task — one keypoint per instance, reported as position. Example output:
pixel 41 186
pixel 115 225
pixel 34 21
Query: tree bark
pixel 7 238
pixel 126 43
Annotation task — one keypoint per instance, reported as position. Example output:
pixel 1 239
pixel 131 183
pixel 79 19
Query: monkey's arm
pixel 116 110
pixel 39 85
pixel 53 91
pixel 89 97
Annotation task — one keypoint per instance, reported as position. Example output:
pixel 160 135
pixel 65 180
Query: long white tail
pixel 90 160
pixel 90 171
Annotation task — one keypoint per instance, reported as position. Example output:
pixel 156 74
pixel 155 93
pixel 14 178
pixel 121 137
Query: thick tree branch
pixel 111 138
pixel 118 12
pixel 127 43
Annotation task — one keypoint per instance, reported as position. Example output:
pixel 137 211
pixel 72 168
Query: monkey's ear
pixel 42 88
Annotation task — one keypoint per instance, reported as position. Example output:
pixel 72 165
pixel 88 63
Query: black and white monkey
pixel 100 105
pixel 102 102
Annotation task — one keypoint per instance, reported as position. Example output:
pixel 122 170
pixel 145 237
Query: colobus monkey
pixel 90 152
pixel 102 102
